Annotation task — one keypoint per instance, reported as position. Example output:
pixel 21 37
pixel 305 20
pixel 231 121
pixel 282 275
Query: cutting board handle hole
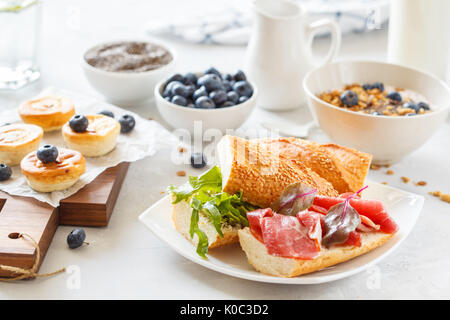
pixel 14 235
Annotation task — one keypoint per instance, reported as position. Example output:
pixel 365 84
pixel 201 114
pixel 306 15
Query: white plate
pixel 403 206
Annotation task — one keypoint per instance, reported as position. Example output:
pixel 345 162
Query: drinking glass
pixel 19 37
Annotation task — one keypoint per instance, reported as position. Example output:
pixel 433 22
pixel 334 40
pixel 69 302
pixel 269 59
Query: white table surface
pixel 125 260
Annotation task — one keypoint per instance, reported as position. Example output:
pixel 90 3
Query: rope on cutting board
pixel 28 273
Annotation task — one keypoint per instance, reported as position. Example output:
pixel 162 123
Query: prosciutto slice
pixel 372 209
pixel 287 236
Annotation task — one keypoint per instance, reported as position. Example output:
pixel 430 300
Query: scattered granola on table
pixel 420 183
pixel 181 173
pixel 435 193
pixel 375 100
pixel 442 196
pixel 390 172
pixel 405 179
pixel 445 197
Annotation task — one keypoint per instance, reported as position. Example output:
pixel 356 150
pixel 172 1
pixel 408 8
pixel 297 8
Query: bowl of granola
pixel 384 109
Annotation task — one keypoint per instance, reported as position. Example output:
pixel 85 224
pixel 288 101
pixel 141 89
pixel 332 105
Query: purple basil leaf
pixel 340 220
pixel 294 198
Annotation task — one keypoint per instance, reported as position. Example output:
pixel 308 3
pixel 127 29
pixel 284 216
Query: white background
pixel 125 260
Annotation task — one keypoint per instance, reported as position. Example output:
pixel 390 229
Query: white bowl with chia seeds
pixel 387 138
pixel 126 72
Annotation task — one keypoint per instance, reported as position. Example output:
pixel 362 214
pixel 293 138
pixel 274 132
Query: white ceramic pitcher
pixel 279 53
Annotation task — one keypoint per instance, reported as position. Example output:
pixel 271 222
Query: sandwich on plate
pixel 294 206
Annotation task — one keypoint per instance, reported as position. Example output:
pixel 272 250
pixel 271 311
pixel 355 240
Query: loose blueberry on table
pixel 5 172
pixel 127 123
pixel 210 90
pixel 107 113
pixel 198 160
pixel 79 123
pixel 76 238
pixel 47 153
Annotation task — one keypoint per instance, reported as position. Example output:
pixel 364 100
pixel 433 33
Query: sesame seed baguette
pixel 263 262
pixel 344 168
pixel 260 174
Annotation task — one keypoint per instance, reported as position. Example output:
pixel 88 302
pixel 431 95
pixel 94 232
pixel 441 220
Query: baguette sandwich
pixel 292 210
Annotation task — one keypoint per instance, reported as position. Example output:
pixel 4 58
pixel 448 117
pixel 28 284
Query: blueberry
pixel 228 77
pixel 191 89
pixel 79 123
pixel 394 96
pixel 181 90
pixel 175 77
pixel 243 88
pixel 239 76
pixel 200 92
pixel 227 104
pixel 233 97
pixel 349 98
pixel 243 99
pixel 167 93
pixel 76 238
pixel 423 105
pixel 127 123
pixel 198 160
pixel 367 86
pixel 190 78
pixel 204 103
pixel 218 96
pixel 410 105
pixel 213 70
pixel 5 172
pixel 227 85
pixel 168 98
pixel 179 100
pixel 47 153
pixel 211 82
pixel 168 89
pixel 379 86
pixel 107 113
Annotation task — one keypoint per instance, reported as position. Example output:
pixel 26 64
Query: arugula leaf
pixel 210 181
pixel 205 196
pixel 214 216
pixel 294 198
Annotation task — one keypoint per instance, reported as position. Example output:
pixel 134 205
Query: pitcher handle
pixel 325 24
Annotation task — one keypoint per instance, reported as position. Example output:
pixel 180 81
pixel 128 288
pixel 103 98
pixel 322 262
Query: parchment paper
pixel 147 137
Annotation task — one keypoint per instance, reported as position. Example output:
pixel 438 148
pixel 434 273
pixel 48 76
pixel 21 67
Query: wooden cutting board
pixel 91 206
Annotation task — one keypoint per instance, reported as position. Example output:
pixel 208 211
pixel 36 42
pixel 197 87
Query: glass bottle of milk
pixel 19 33
pixel 419 35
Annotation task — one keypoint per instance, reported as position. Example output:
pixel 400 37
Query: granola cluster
pixel 375 100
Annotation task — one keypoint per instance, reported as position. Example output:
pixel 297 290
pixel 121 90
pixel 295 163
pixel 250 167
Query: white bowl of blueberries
pixel 208 100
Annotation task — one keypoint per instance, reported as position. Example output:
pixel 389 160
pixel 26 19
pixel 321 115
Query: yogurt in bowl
pixel 388 138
